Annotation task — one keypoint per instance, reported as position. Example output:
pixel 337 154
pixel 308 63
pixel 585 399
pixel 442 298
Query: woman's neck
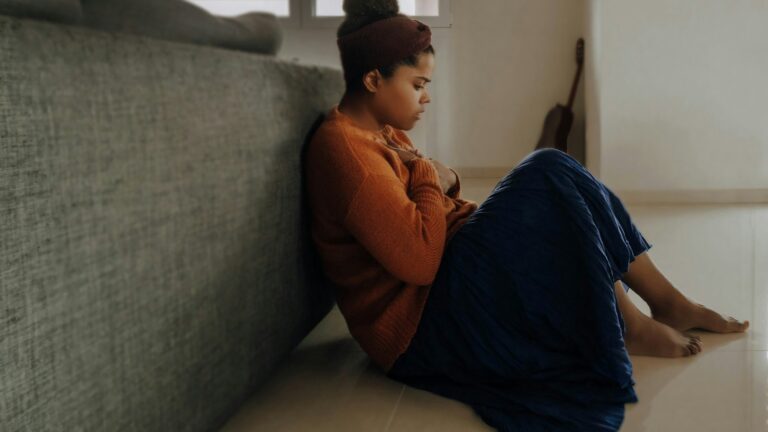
pixel 359 112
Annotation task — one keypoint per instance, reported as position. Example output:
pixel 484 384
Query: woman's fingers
pixel 406 155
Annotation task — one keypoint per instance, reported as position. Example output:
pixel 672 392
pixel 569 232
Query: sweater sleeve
pixel 404 230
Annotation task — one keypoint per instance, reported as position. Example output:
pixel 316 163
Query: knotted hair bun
pixel 381 8
pixel 360 13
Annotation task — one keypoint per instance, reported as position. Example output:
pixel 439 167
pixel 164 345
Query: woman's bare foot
pixel 646 336
pixel 685 314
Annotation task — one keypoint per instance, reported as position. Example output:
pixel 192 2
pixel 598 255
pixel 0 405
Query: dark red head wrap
pixel 382 43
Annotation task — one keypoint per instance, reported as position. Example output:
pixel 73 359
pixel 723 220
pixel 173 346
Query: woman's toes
pixel 697 345
pixel 694 343
pixel 731 324
pixel 708 319
pixel 734 325
pixel 650 337
pixel 692 347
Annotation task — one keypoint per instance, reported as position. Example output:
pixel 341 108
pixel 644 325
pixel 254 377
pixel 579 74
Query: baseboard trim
pixel 647 196
pixel 694 196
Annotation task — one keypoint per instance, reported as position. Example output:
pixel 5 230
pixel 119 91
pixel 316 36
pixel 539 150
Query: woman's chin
pixel 406 124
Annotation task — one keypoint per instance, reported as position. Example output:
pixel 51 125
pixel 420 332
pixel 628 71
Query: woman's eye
pixel 419 87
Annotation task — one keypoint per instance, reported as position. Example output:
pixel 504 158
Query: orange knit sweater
pixel 380 227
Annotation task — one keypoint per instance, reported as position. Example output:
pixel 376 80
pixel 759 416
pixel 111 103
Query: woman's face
pixel 399 100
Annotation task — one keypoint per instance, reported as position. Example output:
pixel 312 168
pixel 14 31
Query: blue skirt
pixel 522 321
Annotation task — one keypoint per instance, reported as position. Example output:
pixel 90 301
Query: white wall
pixel 681 93
pixel 512 61
pixel 500 67
pixel 592 70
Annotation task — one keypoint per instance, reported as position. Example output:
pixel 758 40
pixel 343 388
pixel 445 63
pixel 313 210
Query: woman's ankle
pixel 674 303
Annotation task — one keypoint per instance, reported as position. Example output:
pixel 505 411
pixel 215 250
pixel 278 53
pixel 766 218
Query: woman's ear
pixel 372 80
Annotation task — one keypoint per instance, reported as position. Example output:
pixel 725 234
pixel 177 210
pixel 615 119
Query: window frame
pixel 293 20
pixel 302 16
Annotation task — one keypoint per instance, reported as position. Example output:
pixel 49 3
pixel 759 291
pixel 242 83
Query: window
pixel 409 7
pixel 329 13
pixel 323 13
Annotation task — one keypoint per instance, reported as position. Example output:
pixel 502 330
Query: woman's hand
pixel 447 176
pixel 406 155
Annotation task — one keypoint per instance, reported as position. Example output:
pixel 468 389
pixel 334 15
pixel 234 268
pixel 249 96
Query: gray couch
pixel 155 263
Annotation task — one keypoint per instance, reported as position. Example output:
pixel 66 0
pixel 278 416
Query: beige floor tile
pixel 712 391
pixel 705 251
pixel 331 329
pixel 423 411
pixel 326 387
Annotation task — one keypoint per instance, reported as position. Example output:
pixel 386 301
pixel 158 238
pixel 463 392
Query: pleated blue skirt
pixel 522 321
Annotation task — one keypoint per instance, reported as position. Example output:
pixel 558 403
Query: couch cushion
pixel 179 21
pixel 63 11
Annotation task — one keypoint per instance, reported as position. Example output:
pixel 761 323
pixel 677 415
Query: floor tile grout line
pixel 394 410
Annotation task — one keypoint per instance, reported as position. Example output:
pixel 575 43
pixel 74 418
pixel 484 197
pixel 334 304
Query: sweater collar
pixel 386 132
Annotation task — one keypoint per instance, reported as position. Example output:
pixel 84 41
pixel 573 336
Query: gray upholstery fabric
pixel 64 11
pixel 180 21
pixel 155 262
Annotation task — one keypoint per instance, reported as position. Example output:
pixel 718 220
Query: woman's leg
pixel 650 284
pixel 645 336
pixel 670 306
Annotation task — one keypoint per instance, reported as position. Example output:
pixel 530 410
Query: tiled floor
pixel 715 254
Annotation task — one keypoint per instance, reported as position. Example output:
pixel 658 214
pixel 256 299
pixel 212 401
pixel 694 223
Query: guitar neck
pixel 574 86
